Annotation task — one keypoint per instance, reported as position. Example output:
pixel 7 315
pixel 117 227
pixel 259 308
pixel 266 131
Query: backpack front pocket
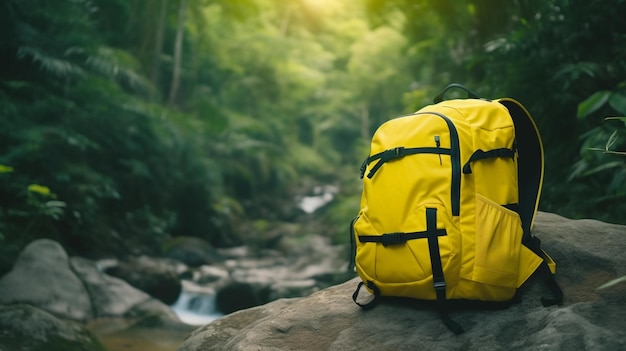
pixel 498 243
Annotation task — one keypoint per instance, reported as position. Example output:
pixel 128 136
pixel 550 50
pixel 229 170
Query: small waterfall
pixel 196 308
pixel 322 196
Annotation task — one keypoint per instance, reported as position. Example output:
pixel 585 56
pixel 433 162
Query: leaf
pixel 603 167
pixel 40 189
pixel 623 119
pixel 618 102
pixel 612 283
pixel 59 67
pixel 593 103
pixel 611 141
pixel 5 169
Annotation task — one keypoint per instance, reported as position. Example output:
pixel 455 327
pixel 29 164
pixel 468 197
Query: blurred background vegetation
pixel 125 123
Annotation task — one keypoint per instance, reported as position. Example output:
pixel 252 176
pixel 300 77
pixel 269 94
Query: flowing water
pixel 196 308
pixel 119 334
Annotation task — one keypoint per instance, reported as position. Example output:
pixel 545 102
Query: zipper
pixel 438 143
pixel 455 155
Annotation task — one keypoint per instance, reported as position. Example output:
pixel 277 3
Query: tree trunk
pixel 178 52
pixel 158 45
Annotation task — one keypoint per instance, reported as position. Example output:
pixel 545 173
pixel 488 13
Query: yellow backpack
pixel 449 197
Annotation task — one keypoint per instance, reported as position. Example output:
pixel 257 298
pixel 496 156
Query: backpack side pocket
pixel 498 244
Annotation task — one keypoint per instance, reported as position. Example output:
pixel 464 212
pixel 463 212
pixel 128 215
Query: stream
pixel 196 309
pixel 196 305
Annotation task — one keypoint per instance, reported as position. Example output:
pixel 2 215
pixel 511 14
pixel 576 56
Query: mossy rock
pixel 25 327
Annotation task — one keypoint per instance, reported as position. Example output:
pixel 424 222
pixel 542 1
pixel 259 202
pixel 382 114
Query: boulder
pixel 42 277
pixel 588 253
pixel 192 251
pixel 47 294
pixel 238 296
pixel 114 297
pixel 213 336
pixel 157 277
pixel 25 327
pixel 74 288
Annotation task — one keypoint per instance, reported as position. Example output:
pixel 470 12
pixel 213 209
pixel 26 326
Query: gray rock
pixel 110 296
pixel 155 276
pixel 588 253
pixel 24 327
pixel 74 288
pixel 213 336
pixel 192 251
pixel 238 296
pixel 43 278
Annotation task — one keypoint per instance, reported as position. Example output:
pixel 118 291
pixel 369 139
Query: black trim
pixel 455 155
pixel 454 152
pixel 352 260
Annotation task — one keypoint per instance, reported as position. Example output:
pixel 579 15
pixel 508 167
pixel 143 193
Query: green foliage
pixel 599 164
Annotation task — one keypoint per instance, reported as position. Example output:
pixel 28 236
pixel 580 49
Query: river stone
pixel 24 327
pixel 42 277
pixel 192 251
pixel 111 297
pixel 588 253
pixel 239 296
pixel 156 276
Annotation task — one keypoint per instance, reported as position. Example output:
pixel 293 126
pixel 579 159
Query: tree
pixel 178 51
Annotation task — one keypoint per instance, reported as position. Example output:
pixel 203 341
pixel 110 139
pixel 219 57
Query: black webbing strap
pixel 438 278
pixel 373 302
pixel 552 285
pixel 534 244
pixel 398 152
pixel 398 238
pixel 480 154
pixel 352 260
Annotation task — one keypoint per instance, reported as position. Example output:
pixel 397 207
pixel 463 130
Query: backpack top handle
pixel 440 97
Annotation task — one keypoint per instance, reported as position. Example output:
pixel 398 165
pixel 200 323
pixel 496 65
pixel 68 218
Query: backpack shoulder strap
pixel 530 177
pixel 530 162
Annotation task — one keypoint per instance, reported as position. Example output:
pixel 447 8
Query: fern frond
pixel 58 67
pixel 118 65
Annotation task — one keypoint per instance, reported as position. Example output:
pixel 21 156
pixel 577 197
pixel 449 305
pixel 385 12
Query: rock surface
pixel 71 288
pixel 24 327
pixel 42 277
pixel 588 253
pixel 156 276
pixel 47 298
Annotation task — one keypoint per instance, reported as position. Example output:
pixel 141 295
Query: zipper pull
pixel 438 143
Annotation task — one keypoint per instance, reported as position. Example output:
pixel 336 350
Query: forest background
pixel 127 123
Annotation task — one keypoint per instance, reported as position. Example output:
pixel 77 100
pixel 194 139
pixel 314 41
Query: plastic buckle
pixel 399 151
pixel 394 153
pixel 393 238
pixel 440 286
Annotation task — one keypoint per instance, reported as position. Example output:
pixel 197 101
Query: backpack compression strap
pixel 438 279
pixel 480 155
pixel 398 152
pixel 432 233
